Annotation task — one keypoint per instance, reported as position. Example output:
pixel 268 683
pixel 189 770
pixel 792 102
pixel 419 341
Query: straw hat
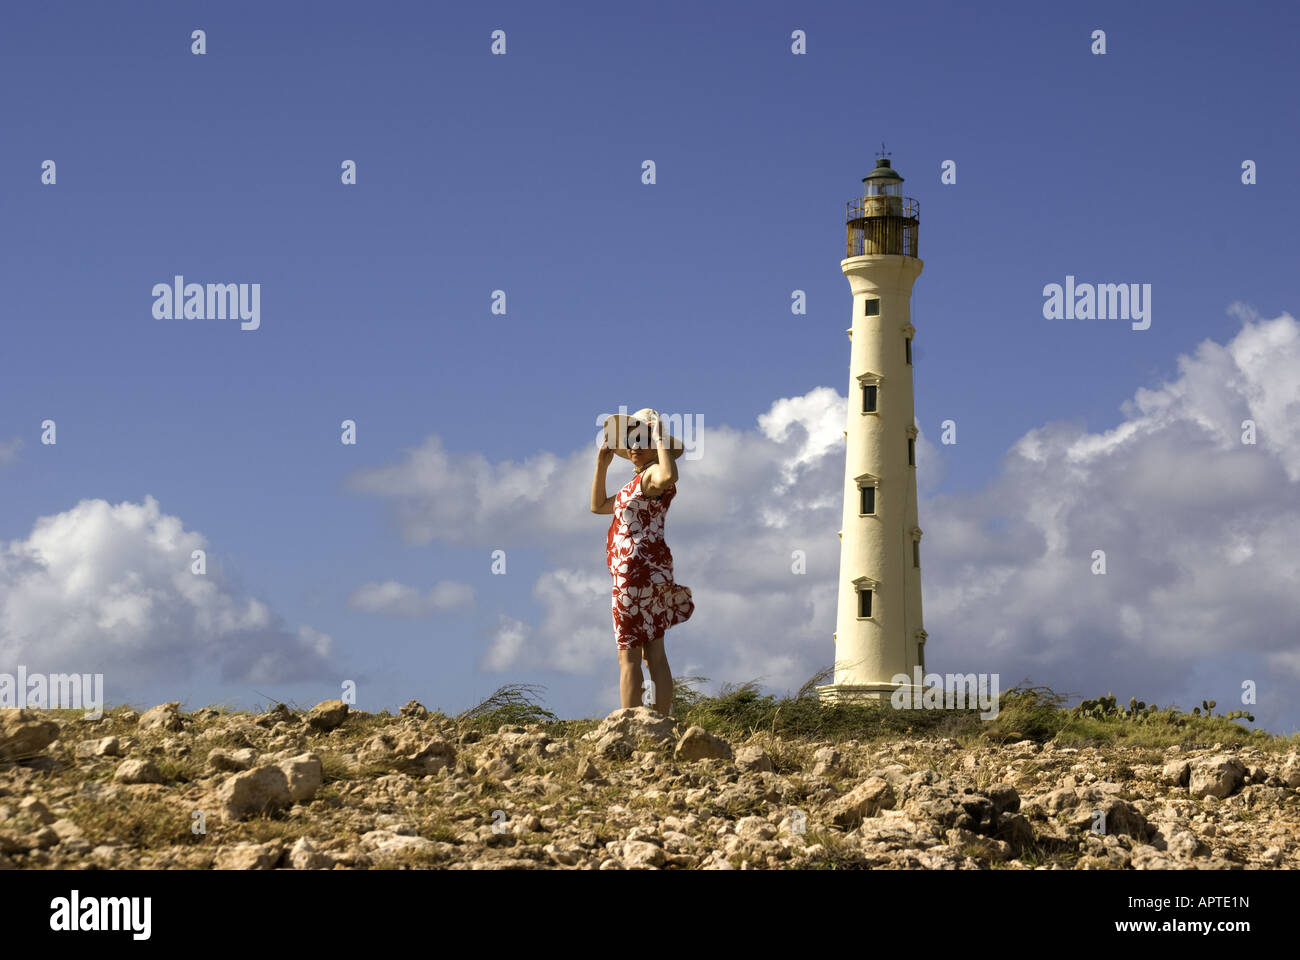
pixel 621 430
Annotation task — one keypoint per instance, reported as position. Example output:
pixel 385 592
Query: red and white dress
pixel 646 601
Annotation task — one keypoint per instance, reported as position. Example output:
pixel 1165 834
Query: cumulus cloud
pixel 1198 532
pixel 104 588
pixel 393 599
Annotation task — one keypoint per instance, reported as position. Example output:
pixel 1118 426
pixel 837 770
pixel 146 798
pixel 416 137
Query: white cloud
pixel 1199 533
pixel 105 588
pixel 9 450
pixel 506 645
pixel 395 599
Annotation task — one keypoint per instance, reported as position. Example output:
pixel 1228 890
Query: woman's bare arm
pixel 599 502
pixel 660 476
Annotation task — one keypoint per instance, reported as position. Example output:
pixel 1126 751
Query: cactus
pixel 1139 711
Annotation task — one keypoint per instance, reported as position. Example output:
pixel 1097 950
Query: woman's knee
pixel 657 662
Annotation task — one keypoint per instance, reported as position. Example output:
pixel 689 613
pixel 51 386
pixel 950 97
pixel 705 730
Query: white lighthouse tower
pixel 878 631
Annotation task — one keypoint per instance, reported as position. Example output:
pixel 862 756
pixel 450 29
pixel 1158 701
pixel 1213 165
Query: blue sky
pixel 522 173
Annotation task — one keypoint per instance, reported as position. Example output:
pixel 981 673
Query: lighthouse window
pixel 868 501
pixel 909 350
pixel 916 553
pixel 869 398
pixel 864 603
pixel 911 452
pixel 873 307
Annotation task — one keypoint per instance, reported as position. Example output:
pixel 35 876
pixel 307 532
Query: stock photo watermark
pixel 53 691
pixel 948 691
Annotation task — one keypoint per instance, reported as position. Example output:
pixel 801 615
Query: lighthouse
pixel 878 633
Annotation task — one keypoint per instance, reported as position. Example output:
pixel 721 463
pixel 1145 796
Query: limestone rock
pixel 302 775
pixel 1176 773
pixel 865 800
pixel 253 792
pixel 614 746
pixel 165 716
pixel 1004 797
pixel 137 771
pixel 638 854
pixel 1290 773
pixel 35 811
pixel 698 744
pixel 753 758
pixel 1121 818
pixel 636 724
pixel 303 855
pixel 103 747
pixel 827 761
pixel 23 734
pixel 978 846
pixel 249 856
pixel 1016 831
pixel 1218 775
pixel 231 760
pixel 414 709
pixel 1185 845
pixel 389 844
pixel 327 715
pixel 408 752
pixel 755 828
pixel 278 714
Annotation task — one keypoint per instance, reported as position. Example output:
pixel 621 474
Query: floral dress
pixel 646 601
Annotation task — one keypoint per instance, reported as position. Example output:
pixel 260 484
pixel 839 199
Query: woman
pixel 646 601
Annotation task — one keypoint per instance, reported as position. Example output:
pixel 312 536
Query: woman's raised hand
pixel 604 456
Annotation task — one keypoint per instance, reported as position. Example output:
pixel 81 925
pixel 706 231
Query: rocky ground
pixel 335 788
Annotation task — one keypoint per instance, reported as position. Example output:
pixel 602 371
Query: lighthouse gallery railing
pixel 883 224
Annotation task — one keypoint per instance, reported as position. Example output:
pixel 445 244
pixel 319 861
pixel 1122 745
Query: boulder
pixel 698 744
pixel 1218 775
pixel 1015 830
pixel 327 715
pixel 614 746
pixel 103 747
pixel 753 759
pixel 137 771
pixel 165 716
pixel 865 800
pixel 24 735
pixel 253 792
pixel 1176 773
pixel 589 771
pixel 249 856
pixel 827 761
pixel 637 724
pixel 389 844
pixel 302 775
pixel 415 710
pixel 35 811
pixel 755 828
pixel 231 760
pixel 638 854
pixel 1004 797
pixel 303 855
pixel 1121 818
pixel 1290 772
pixel 280 713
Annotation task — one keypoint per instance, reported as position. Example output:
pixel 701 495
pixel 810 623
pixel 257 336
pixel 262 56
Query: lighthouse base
pixel 879 691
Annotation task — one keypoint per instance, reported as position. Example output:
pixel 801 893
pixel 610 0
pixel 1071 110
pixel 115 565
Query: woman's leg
pixel 656 659
pixel 630 679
